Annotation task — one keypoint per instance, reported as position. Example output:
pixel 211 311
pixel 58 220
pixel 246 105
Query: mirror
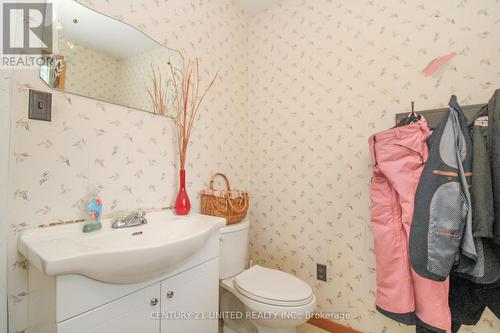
pixel 100 57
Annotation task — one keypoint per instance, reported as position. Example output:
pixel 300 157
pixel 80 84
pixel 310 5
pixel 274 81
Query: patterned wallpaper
pixel 125 155
pixel 5 92
pixel 90 72
pixel 324 75
pixel 123 81
pixel 301 88
pixel 135 76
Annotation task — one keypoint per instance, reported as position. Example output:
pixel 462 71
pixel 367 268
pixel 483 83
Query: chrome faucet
pixel 132 220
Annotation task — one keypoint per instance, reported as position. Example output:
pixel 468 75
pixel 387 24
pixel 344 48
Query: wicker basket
pixel 232 205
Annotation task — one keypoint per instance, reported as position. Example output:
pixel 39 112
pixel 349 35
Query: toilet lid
pixel 273 287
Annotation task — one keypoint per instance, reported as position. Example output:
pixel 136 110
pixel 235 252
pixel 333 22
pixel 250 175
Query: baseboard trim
pixel 331 326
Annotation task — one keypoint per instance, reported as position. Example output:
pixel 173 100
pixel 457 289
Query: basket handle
pixel 212 181
pixel 244 208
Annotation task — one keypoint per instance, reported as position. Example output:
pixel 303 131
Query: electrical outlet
pixel 321 272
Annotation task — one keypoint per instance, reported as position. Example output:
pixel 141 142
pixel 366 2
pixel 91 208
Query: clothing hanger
pixel 413 117
pixel 454 102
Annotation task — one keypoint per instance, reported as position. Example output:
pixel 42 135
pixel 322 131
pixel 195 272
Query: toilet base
pixel 229 302
pixel 262 329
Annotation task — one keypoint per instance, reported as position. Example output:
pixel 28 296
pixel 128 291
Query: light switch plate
pixel 40 105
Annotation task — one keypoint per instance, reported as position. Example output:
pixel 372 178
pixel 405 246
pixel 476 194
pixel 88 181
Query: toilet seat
pixel 273 287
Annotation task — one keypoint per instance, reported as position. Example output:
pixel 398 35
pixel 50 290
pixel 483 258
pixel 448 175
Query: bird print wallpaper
pixel 301 87
pixel 120 80
pixel 324 76
pixel 126 156
pixel 90 72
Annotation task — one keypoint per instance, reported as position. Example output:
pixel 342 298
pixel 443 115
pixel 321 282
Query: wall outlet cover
pixel 40 105
pixel 321 272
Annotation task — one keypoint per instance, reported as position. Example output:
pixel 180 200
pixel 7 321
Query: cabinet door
pixel 134 313
pixel 190 300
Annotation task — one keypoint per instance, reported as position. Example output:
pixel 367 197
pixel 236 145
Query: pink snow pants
pixel 398 158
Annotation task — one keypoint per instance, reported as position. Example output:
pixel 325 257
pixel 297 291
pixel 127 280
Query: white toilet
pixel 258 300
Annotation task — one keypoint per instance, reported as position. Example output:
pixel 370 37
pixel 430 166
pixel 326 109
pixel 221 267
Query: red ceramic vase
pixel 182 204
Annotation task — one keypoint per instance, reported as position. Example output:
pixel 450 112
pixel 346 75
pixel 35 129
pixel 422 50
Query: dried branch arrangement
pixel 187 100
pixel 157 92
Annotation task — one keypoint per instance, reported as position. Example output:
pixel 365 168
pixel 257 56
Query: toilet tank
pixel 233 252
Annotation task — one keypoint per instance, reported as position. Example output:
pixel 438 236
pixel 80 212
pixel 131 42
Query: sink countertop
pixel 126 255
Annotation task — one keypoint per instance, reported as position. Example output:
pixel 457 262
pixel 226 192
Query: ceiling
pixel 252 7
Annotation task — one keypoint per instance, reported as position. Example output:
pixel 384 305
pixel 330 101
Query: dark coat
pixel 494 145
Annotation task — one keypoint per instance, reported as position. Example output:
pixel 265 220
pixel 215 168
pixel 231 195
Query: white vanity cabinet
pixel 191 300
pixel 129 314
pixel 182 301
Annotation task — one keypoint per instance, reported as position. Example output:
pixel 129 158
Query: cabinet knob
pixel 170 294
pixel 154 301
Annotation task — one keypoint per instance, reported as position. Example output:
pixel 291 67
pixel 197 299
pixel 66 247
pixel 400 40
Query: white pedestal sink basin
pixel 128 255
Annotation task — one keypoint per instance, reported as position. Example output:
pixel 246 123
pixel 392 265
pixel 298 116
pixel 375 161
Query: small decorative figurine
pixel 94 212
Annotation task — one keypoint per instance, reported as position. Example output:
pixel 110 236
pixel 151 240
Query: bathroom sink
pixel 128 255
